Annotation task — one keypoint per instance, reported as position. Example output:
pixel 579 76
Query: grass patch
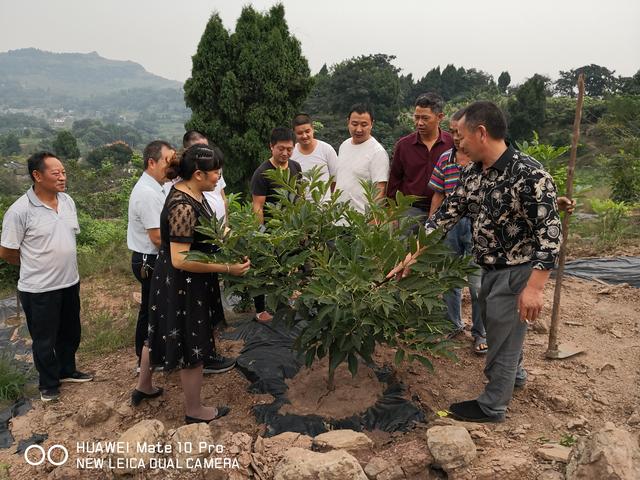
pixel 101 334
pixel 113 257
pixel 13 379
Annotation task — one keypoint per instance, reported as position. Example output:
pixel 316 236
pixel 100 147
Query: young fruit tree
pixel 323 263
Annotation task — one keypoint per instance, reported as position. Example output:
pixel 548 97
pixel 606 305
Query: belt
pixel 499 266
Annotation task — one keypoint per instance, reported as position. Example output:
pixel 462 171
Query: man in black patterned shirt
pixel 517 233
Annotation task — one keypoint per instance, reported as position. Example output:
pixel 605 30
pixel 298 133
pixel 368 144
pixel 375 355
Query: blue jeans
pixel 460 241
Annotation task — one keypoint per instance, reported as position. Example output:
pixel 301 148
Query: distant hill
pixel 80 75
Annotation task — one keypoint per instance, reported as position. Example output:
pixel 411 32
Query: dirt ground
pixel 562 397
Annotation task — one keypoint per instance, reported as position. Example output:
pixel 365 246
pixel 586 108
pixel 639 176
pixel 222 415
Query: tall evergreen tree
pixel 527 108
pixel 245 83
pixel 503 81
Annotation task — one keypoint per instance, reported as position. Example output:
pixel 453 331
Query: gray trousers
pixel 498 300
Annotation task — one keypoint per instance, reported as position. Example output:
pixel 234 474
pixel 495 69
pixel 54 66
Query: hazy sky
pixel 542 36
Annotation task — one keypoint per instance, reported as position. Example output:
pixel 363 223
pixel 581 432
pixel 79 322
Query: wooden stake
pixel 553 350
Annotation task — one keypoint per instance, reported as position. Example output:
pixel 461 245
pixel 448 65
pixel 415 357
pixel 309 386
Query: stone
pixel 125 410
pixel 451 447
pixel 540 326
pixel 342 440
pixel 286 440
pixel 198 435
pixel 580 422
pixel 550 475
pixel 92 412
pixel 608 453
pixel 554 452
pixel 300 464
pixel 145 432
pixel 403 460
pixel 393 473
pixel 634 419
pixel 558 402
pixel 376 466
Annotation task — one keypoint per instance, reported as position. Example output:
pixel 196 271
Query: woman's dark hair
pixel 197 157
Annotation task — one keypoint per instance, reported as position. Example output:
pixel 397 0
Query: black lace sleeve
pixel 183 219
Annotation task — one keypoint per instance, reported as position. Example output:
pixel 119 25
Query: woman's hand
pixel 239 269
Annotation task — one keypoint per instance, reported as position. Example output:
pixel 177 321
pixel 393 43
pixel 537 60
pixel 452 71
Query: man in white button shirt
pixel 361 157
pixel 143 230
pixel 310 152
pixel 39 234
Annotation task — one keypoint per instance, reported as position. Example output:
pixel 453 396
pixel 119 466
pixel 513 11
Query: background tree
pixel 118 153
pixel 370 79
pixel 526 108
pixel 244 84
pixel 504 80
pixel 629 85
pixel 598 81
pixel 10 144
pixel 66 146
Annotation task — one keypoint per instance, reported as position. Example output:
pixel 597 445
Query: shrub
pixel 612 221
pixel 625 177
pixel 334 261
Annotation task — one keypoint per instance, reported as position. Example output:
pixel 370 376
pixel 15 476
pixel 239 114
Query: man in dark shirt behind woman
pixel 183 291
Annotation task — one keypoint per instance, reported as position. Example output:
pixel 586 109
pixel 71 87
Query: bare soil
pixel 601 384
pixel 310 393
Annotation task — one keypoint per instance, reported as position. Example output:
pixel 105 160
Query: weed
pixel 103 334
pixel 568 440
pixel 13 378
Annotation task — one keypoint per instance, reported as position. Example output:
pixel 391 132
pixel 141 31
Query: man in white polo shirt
pixel 39 234
pixel 143 230
pixel 310 152
pixel 361 157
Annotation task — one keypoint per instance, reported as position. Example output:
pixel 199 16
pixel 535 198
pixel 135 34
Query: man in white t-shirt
pixel 39 234
pixel 361 157
pixel 310 152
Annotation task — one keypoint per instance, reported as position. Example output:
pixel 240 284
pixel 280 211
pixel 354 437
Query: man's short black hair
pixel 36 162
pixel 301 119
pixel 154 151
pixel 458 115
pixel 489 115
pixel 430 100
pixel 192 137
pixel 361 109
pixel 282 134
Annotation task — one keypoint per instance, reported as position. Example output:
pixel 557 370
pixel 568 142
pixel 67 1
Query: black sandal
pixel 137 396
pixel 222 411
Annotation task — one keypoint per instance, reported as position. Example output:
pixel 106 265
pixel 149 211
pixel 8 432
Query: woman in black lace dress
pixel 183 293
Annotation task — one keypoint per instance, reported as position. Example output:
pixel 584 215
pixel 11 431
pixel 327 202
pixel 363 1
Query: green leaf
pixel 399 357
pixel 353 364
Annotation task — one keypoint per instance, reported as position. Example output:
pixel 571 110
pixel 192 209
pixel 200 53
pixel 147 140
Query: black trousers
pixel 53 319
pixel 137 262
